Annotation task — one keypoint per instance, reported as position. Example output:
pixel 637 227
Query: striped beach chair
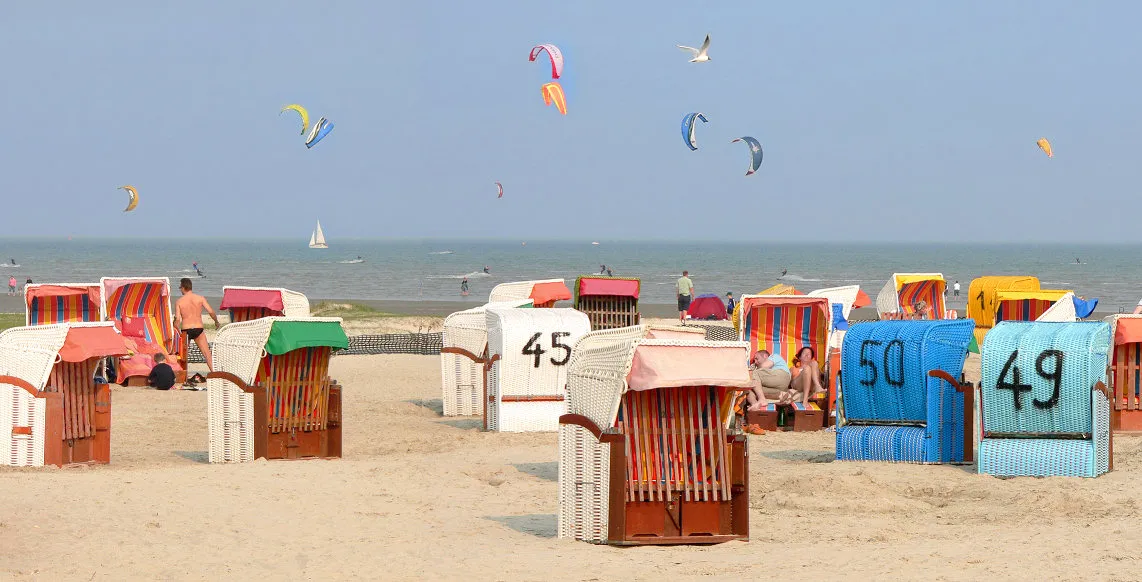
pixel 902 292
pixel 1125 375
pixel 1031 305
pixel 246 303
pixel 270 396
pixel 543 293
pixel 53 408
pixel 783 324
pixel 609 302
pixel 649 453
pixel 140 307
pixel 1045 404
pixel 62 303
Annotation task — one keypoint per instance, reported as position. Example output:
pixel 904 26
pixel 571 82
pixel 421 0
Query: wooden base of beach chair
pixel 766 419
pixel 806 420
pixel 294 443
pixel 1126 421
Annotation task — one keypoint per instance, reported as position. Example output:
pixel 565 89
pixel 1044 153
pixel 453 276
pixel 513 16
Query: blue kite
pixel 688 129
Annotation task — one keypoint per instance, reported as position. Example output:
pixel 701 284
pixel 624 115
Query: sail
pixel 317 239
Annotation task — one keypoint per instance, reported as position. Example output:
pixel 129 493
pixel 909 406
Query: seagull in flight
pixel 700 55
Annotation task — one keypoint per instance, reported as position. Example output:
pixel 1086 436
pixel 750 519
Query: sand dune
pixel 421 497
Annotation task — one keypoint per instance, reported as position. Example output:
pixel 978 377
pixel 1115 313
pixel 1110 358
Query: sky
pixel 890 120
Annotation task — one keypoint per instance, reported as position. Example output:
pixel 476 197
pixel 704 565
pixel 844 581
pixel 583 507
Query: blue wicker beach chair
pixel 1045 405
pixel 899 399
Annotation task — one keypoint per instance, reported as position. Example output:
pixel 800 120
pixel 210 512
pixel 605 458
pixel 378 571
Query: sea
pixel 432 270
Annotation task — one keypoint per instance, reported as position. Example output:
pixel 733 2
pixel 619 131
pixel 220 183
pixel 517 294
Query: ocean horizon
pixel 432 269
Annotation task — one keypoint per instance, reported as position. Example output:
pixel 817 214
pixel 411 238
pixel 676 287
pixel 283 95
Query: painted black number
pixel 1016 387
pixel 533 346
pixel 1055 376
pixel 980 297
pixel 899 366
pixel 557 345
pixel 865 362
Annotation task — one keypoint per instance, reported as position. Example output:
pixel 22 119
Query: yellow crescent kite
pixel 300 111
pixel 1045 146
pixel 134 194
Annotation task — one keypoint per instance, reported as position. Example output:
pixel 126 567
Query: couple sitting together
pixel 774 382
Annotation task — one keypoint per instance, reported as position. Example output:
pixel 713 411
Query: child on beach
pixel 162 375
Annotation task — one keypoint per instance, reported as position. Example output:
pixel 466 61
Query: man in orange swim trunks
pixel 188 318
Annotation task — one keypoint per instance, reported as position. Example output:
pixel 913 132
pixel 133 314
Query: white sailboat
pixel 317 239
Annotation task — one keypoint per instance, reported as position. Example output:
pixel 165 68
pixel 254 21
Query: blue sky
pixel 890 120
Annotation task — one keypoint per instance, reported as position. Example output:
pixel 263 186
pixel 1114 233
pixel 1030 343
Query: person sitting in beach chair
pixel 805 376
pixel 770 374
pixel 162 375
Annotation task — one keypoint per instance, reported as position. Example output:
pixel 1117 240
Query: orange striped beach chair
pixel 783 324
pixel 1125 375
pixel 904 291
pixel 62 303
pixel 141 310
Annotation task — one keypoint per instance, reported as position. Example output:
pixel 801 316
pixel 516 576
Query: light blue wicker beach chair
pixel 1045 405
pixel 899 400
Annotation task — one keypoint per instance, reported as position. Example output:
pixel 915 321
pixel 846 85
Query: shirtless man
pixel 188 318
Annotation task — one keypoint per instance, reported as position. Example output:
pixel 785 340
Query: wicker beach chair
pixel 53 410
pixel 140 307
pixel 1125 375
pixel 609 302
pixel 246 303
pixel 904 290
pixel 528 353
pixel 1044 400
pixel 981 298
pixel 270 396
pixel 783 324
pixel 543 293
pixel 62 303
pixel 464 356
pixel 648 450
pixel 778 289
pixel 901 400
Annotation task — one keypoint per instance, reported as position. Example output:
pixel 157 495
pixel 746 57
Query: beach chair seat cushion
pixel 897 444
pixel 1042 458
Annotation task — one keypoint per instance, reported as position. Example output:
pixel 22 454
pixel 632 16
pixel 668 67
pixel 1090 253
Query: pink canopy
pixel 617 287
pixel 667 365
pixel 267 298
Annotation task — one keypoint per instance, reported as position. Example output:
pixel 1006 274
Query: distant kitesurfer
pixel 783 271
pixel 602 269
pixel 12 261
pixel 464 286
pixel 487 270
pixel 1078 261
pixel 197 271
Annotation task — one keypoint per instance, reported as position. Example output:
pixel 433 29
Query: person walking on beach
pixel 188 318
pixel 956 289
pixel 685 292
pixel 464 286
pixel 730 302
pixel 12 285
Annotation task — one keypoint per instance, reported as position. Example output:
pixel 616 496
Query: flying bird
pixel 700 55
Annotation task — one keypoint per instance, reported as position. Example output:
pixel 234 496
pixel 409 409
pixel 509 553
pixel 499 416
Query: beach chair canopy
pixel 778 289
pixel 586 286
pixel 674 363
pixel 675 332
pixel 92 340
pixel 982 294
pixel 264 302
pixel 1029 305
pixel 30 352
pixel 239 347
pixel 146 298
pixel 708 306
pixel 845 296
pixel 62 303
pixel 904 290
pixel 783 324
pixel 542 292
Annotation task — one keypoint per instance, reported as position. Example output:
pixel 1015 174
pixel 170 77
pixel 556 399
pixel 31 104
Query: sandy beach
pixel 421 497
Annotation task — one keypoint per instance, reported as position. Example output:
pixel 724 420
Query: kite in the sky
pixel 1045 146
pixel 553 93
pixel 554 53
pixel 754 151
pixel 319 131
pixel 700 55
pixel 133 201
pixel 688 129
pixel 300 111
pixel 501 187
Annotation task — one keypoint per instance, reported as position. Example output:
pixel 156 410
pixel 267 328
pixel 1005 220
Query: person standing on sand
pixel 956 289
pixel 12 285
pixel 684 292
pixel 188 318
